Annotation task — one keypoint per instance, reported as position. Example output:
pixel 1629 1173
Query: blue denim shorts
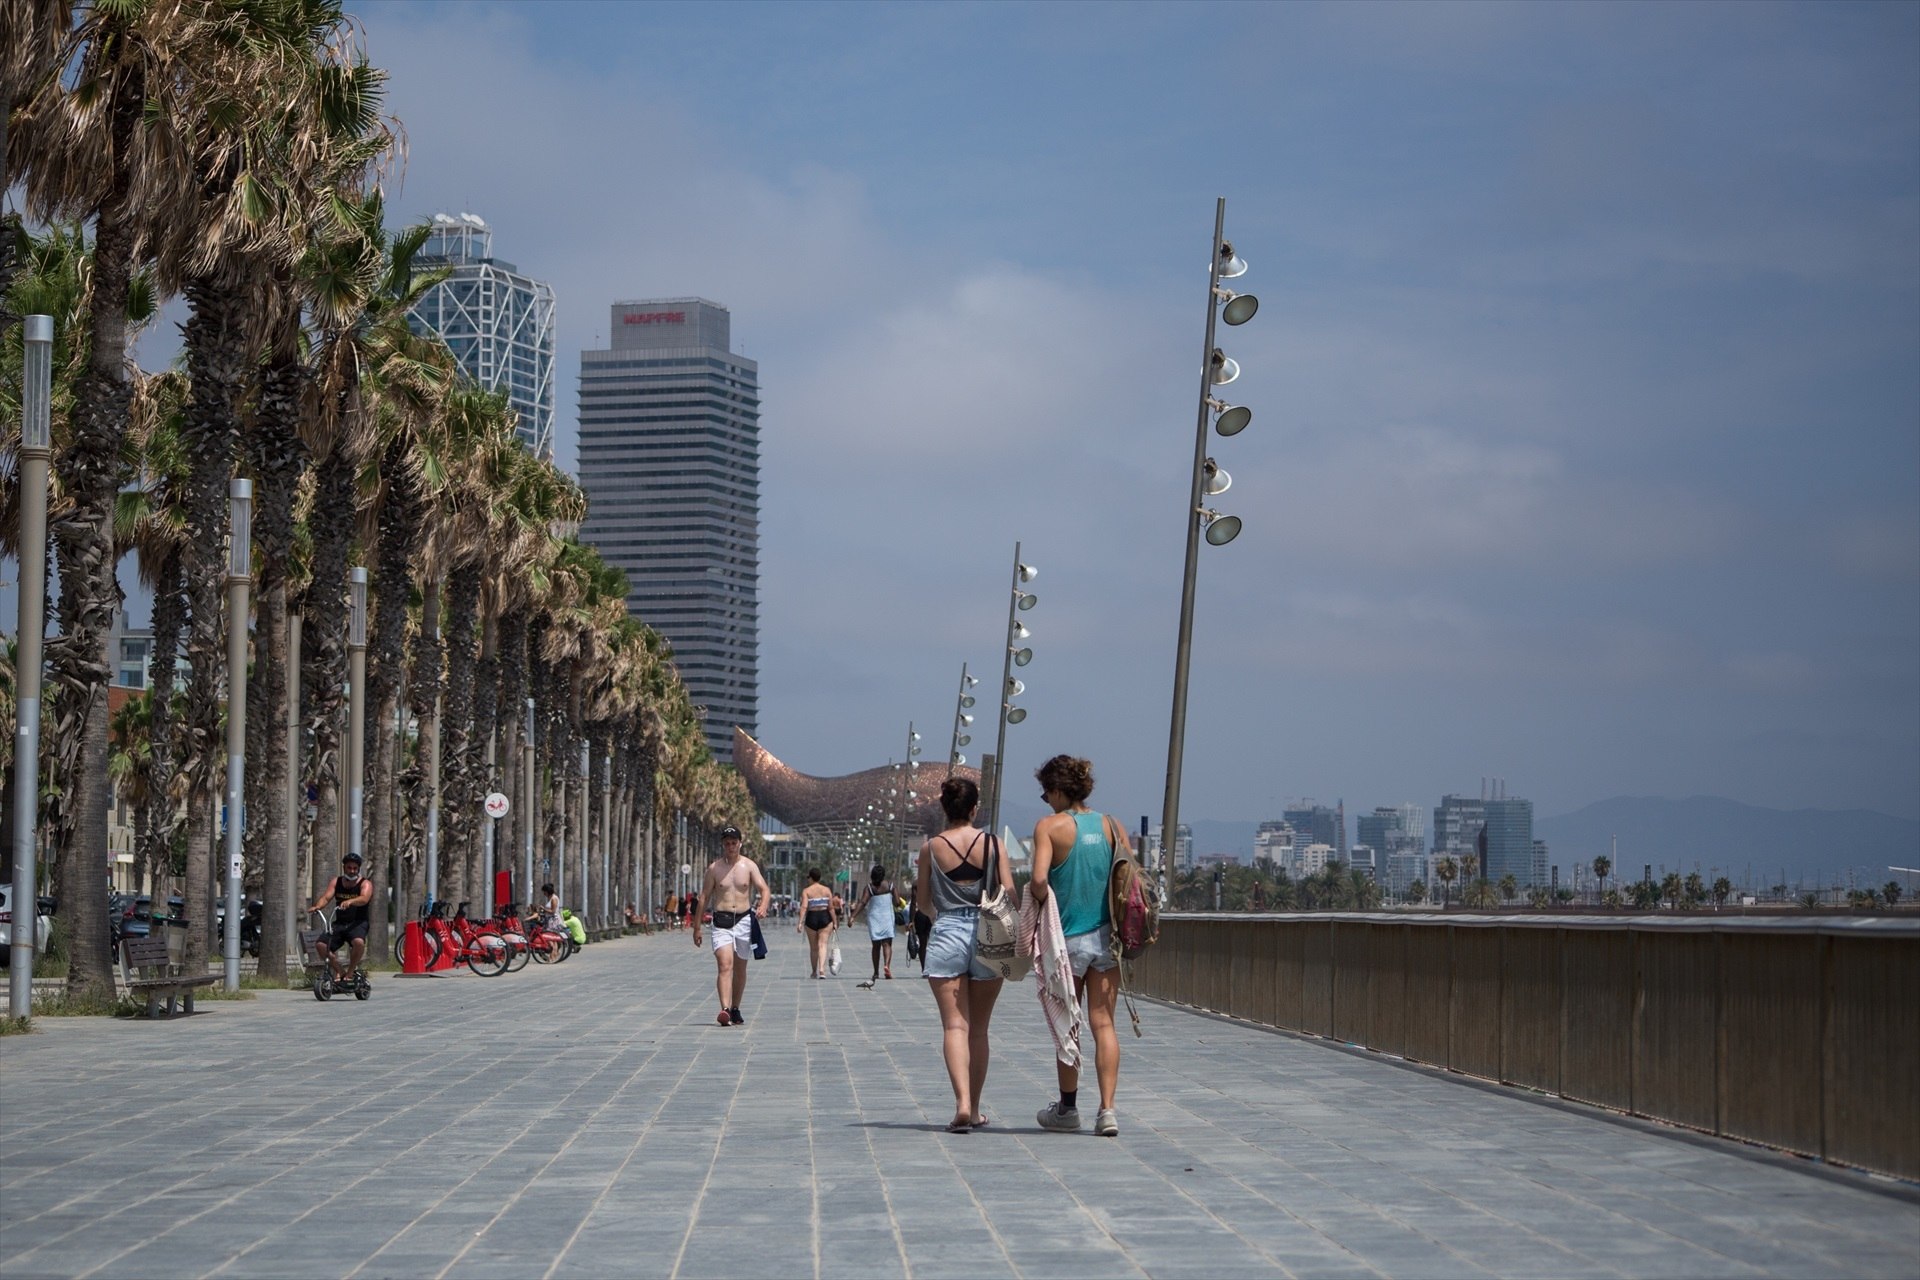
pixel 1091 951
pixel 950 947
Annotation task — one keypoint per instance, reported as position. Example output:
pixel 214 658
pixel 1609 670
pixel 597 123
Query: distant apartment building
pixel 1182 850
pixel 670 461
pixel 1457 825
pixel 1397 835
pixel 1509 843
pixel 1317 824
pixel 1360 857
pixel 1313 858
pixel 497 322
pixel 1540 871
pixel 1273 845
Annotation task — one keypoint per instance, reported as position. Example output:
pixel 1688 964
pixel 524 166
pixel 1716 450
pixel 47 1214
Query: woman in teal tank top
pixel 1073 852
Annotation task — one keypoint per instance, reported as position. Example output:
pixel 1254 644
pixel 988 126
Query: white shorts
pixel 1091 952
pixel 740 937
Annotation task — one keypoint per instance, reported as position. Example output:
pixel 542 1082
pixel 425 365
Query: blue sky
pixel 1586 448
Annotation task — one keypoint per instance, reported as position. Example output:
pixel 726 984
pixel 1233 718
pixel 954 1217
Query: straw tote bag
pixel 996 938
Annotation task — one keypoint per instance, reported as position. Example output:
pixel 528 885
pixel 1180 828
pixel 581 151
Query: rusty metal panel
pixel 1387 989
pixel 1429 992
pixel 1872 1103
pixel 1770 1038
pixel 1289 973
pixel 1474 1041
pixel 1530 1008
pixel 1596 1038
pixel 1676 1039
pixel 1351 962
pixel 1316 979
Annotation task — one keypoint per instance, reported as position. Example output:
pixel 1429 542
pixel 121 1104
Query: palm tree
pixel 1417 891
pixel 1509 888
pixel 1722 890
pixel 1891 891
pixel 99 144
pixel 1694 889
pixel 1602 865
pixel 1672 887
pixel 1445 871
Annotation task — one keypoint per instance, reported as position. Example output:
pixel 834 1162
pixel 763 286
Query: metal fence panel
pixel 1429 993
pixel 1530 1008
pixel 1676 1046
pixel 1872 1102
pixel 1290 974
pixel 1352 958
pixel 1387 989
pixel 1770 1038
pixel 1316 979
pixel 1474 1044
pixel 1597 986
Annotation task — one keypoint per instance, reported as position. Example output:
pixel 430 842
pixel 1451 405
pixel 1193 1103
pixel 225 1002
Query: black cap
pixel 729 831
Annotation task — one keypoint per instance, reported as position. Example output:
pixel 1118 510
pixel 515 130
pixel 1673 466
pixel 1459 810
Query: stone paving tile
pixel 589 1120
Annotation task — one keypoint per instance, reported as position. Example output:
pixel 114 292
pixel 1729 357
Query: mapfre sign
pixel 654 317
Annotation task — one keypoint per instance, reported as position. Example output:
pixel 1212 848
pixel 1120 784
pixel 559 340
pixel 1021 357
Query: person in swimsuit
pixel 816 921
pixel 955 866
pixel 877 901
pixel 350 923
pixel 727 891
pixel 1073 851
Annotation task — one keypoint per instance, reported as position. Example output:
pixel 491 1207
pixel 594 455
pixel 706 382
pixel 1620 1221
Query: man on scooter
pixel 353 892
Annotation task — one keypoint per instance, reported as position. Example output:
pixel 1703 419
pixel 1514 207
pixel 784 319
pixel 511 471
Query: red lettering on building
pixel 654 317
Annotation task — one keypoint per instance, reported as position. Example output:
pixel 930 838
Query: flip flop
pixel 959 1126
pixel 981 1122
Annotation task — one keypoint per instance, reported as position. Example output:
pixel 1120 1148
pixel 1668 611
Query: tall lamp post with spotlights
pixel 1017 655
pixel 962 720
pixel 1217 369
pixel 239 578
pixel 35 460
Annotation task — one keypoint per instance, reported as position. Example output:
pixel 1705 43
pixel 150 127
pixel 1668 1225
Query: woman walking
pixel 816 919
pixel 877 901
pixel 955 866
pixel 1073 851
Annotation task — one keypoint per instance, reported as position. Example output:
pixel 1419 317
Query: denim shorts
pixel 950 946
pixel 1091 951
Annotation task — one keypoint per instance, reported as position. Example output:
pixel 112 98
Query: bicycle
pixel 326 983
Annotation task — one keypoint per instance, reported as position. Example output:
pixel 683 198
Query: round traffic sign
pixel 496 805
pixel 686 868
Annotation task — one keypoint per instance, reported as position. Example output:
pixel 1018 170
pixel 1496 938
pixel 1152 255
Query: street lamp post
pixel 962 720
pixel 527 813
pixel 36 457
pixel 356 708
pixel 1016 655
pixel 239 578
pixel 1216 369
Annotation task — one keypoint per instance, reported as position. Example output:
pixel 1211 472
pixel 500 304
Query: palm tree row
pixel 231 153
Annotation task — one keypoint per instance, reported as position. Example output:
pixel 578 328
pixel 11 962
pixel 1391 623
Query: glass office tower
pixel 497 322
pixel 670 461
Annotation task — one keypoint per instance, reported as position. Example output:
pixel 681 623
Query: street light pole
pixel 356 709
pixel 36 457
pixel 961 720
pixel 1215 369
pixel 527 813
pixel 239 578
pixel 1009 687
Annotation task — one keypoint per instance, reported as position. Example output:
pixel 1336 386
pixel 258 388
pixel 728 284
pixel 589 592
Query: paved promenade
pixel 590 1120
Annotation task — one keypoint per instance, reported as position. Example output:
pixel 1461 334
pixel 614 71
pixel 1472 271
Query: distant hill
pixel 1814 845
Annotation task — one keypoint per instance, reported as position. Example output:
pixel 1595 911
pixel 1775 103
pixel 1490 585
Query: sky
pixel 1585 379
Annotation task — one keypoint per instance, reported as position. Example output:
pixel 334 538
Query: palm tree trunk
pixel 423 695
pixel 323 654
pixel 461 768
pixel 217 353
pixel 161 802
pixel 91 470
pixel 399 533
pixel 486 759
pixel 511 715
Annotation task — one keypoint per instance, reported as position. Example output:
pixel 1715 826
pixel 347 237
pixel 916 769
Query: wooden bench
pixel 144 968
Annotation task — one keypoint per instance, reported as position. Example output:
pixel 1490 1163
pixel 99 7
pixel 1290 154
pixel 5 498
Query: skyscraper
pixel 1397 834
pixel 670 461
pixel 1317 824
pixel 1510 842
pixel 1457 824
pixel 497 322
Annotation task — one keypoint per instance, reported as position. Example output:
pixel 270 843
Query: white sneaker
pixel 1052 1117
pixel 1106 1124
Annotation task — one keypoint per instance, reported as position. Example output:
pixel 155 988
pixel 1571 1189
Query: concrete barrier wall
pixel 1800 1035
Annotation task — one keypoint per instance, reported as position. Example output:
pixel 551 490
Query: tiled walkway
pixel 590 1120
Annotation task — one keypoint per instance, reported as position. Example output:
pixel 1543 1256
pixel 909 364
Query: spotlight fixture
pixel 1221 529
pixel 1225 368
pixel 1240 306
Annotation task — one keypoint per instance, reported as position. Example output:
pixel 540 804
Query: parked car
pixel 42 924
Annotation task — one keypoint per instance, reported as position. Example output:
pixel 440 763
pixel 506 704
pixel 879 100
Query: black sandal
pixel 959 1126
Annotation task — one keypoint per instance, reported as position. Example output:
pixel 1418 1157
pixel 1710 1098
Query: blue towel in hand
pixel 759 939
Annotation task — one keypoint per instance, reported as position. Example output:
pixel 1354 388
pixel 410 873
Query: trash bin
pixel 175 929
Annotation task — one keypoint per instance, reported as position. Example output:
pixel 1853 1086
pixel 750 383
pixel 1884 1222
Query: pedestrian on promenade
pixel 1073 852
pixel 955 866
pixel 816 921
pixel 550 909
pixel 877 901
pixel 673 910
pixel 728 891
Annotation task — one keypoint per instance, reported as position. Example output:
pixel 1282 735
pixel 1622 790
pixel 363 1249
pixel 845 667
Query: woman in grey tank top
pixel 954 867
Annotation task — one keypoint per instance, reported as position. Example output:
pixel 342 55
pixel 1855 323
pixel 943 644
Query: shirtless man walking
pixel 727 891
